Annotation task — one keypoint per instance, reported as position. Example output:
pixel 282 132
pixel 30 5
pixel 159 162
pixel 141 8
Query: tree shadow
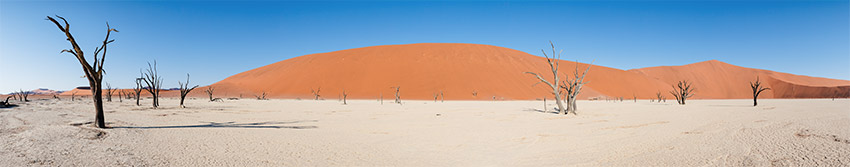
pixel 731 105
pixel 8 106
pixel 541 111
pixel 231 124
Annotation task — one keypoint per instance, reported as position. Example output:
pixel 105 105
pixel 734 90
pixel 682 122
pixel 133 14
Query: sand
pixel 800 132
pixel 458 70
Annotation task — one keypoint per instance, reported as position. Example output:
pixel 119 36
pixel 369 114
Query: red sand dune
pixel 459 69
pixel 718 80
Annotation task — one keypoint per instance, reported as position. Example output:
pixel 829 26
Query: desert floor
pixel 804 132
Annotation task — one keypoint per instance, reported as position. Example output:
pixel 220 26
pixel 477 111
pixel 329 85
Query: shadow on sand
pixel 231 124
pixel 553 111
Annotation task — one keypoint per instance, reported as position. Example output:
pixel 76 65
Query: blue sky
pixel 213 40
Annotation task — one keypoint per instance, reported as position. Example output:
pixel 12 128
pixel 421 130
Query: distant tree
pixel 22 95
pixel 658 96
pixel 210 90
pixel 94 72
pixel 634 97
pixel 261 96
pixel 554 64
pixel 73 95
pixel 682 91
pixel 397 96
pixel 138 90
pixel 344 97
pixel 315 92
pixel 573 87
pixel 184 90
pixel 153 82
pixel 442 98
pixel 757 89
pixel 109 92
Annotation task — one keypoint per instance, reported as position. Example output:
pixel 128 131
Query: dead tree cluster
pixel 184 90
pixel 153 82
pixel 261 96
pixel 572 87
pixel 94 72
pixel 440 95
pixel 682 91
pixel 554 64
pixel 22 95
pixel 757 89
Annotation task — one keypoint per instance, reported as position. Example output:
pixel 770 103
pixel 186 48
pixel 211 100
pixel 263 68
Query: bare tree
pixel 682 91
pixel 757 89
pixel 436 95
pixel 153 82
pixel 6 103
pixel 382 98
pixel 634 97
pixel 316 92
pixel 94 72
pixel 475 93
pixel 344 97
pixel 261 96
pixel 554 63
pixel 573 87
pixel 109 92
pixel 120 96
pixel 210 90
pixel 73 95
pixel 138 90
pixel 397 96
pixel 442 97
pixel 658 96
pixel 22 95
pixel 184 90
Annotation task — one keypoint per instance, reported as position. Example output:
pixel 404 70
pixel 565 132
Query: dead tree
pixel 6 103
pixel 138 90
pixel 436 95
pixel 261 96
pixel 153 82
pixel 184 90
pixel 382 98
pixel 73 95
pixel 94 72
pixel 120 96
pixel 316 92
pixel 554 63
pixel 634 97
pixel 109 92
pixel 573 87
pixel 475 93
pixel 344 97
pixel 757 89
pixel 210 90
pixel 658 96
pixel 22 95
pixel 397 96
pixel 442 98
pixel 682 91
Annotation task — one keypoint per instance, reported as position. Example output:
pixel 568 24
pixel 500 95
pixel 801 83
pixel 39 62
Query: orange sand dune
pixel 718 80
pixel 423 70
pixel 458 70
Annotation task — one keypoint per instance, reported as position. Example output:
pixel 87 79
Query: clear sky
pixel 214 40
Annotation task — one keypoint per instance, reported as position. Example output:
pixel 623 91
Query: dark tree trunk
pixel 99 120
